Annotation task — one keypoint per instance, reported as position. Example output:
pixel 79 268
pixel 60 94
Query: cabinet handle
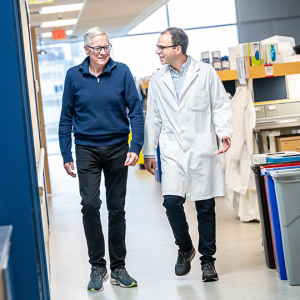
pixel 297 148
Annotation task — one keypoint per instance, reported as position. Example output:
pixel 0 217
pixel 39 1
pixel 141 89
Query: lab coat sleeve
pixel 220 106
pixel 153 123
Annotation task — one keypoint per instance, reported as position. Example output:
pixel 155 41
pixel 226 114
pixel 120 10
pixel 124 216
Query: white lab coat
pixel 186 131
pixel 237 161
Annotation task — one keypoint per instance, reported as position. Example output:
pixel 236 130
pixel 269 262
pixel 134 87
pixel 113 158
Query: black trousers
pixel 206 225
pixel 90 162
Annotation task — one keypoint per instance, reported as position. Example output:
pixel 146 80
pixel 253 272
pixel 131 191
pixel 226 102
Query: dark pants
pixel 206 225
pixel 90 162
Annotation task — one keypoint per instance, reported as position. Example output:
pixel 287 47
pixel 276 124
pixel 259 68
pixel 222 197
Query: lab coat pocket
pixel 206 145
pixel 199 100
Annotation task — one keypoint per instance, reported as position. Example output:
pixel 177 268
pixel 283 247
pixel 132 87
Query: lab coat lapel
pixel 192 72
pixel 166 76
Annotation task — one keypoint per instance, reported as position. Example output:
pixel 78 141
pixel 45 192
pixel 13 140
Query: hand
pixel 68 166
pixel 226 144
pixel 150 164
pixel 131 159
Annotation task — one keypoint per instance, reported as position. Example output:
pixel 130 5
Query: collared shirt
pixel 178 78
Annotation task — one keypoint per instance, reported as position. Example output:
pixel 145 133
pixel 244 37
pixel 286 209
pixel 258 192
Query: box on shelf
pixel 256 54
pixel 287 156
pixel 225 65
pixel 233 51
pixel 285 49
pixel 216 56
pixel 271 53
pixel 217 65
pixel 205 57
pixel 232 61
pixel 279 39
pixel 244 49
pixel 267 157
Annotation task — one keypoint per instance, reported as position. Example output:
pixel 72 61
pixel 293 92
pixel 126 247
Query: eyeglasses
pixel 98 49
pixel 161 48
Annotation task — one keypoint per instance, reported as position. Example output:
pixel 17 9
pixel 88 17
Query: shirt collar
pixel 184 67
pixel 85 65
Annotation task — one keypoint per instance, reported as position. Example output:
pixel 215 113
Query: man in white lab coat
pixel 187 107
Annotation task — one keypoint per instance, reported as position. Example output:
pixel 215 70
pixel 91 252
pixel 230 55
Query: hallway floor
pixel 151 251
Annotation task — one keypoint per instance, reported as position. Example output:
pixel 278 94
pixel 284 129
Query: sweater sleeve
pixel 135 114
pixel 65 123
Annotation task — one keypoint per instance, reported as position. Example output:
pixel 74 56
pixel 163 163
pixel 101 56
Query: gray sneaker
pixel 209 272
pixel 183 263
pixel 98 276
pixel 122 278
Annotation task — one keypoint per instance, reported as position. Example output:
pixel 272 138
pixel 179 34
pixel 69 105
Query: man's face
pixel 167 55
pixel 102 57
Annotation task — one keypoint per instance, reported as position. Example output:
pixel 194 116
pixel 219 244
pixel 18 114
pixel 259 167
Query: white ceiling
pixel 117 17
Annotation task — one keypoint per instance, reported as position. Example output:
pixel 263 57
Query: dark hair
pixel 179 37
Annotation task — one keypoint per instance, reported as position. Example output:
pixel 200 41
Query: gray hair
pixel 91 33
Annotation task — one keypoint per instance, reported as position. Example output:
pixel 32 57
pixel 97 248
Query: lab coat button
pixel 182 131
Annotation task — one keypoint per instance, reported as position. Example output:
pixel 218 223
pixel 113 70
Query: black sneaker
pixel 122 278
pixel 183 264
pixel 98 276
pixel 209 272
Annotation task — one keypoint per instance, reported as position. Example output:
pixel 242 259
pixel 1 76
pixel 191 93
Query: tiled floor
pixel 151 249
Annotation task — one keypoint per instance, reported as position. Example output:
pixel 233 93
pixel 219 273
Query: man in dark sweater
pixel 96 95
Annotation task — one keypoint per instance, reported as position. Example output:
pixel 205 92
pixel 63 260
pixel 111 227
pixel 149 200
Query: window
pixel 155 23
pixel 211 39
pixel 53 67
pixel 138 53
pixel 201 13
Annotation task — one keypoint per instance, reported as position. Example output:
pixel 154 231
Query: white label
pixel 217 65
pixel 269 71
pixel 257 108
pixel 205 55
pixel 272 107
pixel 216 54
pixel 225 64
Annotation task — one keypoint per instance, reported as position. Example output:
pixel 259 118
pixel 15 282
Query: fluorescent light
pixel 60 8
pixel 46 34
pixel 288 121
pixel 49 34
pixel 59 23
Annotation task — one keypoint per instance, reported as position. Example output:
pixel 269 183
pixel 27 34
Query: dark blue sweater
pixel 96 108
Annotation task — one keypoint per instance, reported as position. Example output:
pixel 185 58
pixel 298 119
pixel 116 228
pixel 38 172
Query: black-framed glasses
pixel 98 49
pixel 161 48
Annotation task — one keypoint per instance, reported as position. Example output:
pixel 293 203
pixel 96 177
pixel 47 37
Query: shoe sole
pixel 105 278
pixel 114 281
pixel 210 279
pixel 192 257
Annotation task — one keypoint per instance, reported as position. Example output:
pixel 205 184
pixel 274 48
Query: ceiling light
pixel 46 34
pixel 60 8
pixel 59 23
pixel 49 34
pixel 41 50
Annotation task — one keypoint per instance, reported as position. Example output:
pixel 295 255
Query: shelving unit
pixel 259 71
